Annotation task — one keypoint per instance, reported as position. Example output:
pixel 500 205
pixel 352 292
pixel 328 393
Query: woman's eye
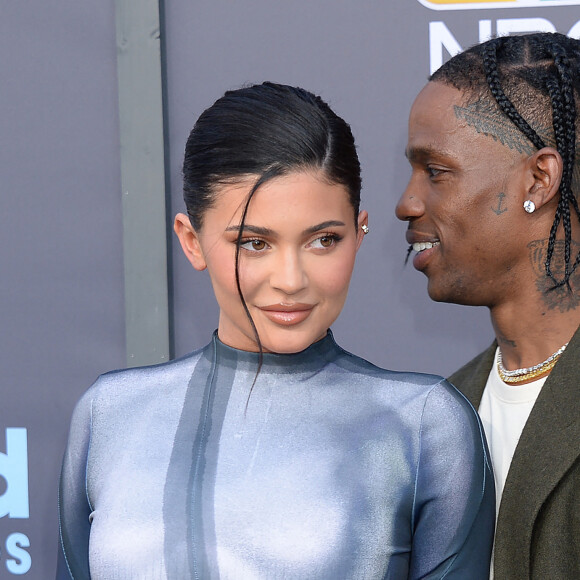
pixel 324 242
pixel 253 245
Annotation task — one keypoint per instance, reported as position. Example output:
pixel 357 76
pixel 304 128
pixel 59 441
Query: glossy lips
pixel 287 314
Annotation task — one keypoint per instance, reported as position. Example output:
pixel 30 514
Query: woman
pixel 272 453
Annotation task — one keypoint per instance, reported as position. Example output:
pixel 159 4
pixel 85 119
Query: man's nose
pixel 410 204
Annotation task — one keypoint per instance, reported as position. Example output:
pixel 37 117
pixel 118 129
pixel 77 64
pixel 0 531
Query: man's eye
pixel 434 171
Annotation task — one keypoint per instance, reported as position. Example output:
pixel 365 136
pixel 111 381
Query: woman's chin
pixel 286 342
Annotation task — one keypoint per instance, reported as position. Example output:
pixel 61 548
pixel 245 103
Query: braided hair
pixel 535 81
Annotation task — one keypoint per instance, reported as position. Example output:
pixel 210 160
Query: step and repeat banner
pixel 61 291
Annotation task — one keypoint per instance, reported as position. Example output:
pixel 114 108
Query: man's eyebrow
pixel 423 152
pixel 417 153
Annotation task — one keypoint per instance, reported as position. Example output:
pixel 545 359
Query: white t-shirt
pixel 504 410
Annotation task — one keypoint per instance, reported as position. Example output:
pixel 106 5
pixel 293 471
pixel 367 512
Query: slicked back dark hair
pixel 535 81
pixel 265 131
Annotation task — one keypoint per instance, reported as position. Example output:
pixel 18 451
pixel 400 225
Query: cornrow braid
pixel 562 211
pixel 494 84
pixel 526 67
pixel 561 91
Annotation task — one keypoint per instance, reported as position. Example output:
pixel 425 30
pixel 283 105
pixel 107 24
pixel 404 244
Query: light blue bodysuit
pixel 331 468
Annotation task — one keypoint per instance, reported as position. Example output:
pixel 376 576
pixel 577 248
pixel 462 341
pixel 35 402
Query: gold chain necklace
pixel 520 375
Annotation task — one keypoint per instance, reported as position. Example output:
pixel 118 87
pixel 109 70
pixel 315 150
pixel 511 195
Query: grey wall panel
pixel 141 130
pixel 61 289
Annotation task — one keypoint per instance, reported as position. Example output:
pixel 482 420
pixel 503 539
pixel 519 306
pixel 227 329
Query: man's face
pixel 464 200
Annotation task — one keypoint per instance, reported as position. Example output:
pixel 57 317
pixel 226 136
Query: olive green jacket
pixel 538 527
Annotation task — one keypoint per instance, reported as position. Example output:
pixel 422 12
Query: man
pixel 494 221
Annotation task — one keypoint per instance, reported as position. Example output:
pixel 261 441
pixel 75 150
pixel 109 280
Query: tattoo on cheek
pixel 555 298
pixel 499 209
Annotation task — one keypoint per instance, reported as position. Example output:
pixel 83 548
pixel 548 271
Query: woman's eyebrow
pixel 268 232
pixel 254 229
pixel 323 226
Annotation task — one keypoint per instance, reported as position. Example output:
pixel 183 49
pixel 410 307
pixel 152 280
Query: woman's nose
pixel 288 273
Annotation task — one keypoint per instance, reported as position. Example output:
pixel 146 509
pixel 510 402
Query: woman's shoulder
pixel 432 389
pixel 355 364
pixel 157 380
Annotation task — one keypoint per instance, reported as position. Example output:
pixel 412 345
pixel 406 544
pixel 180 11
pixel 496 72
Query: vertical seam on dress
pixel 418 465
pixel 60 536
pixel 64 554
pixel 204 416
pixel 87 459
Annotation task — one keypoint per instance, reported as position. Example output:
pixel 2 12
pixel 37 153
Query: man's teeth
pixel 420 246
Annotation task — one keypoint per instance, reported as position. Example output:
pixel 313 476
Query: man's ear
pixel 189 240
pixel 545 168
pixel 363 220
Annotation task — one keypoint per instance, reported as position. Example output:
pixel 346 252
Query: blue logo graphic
pixel 20 561
pixel 14 470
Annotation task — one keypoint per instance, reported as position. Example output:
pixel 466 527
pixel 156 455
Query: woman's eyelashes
pixel 320 242
pixel 325 241
pixel 253 245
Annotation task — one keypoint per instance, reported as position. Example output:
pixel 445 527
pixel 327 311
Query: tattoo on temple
pixel 563 298
pixel 487 119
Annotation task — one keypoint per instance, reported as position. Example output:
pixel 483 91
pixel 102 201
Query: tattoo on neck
pixel 563 298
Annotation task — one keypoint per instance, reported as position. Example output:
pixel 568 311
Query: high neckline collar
pixel 316 355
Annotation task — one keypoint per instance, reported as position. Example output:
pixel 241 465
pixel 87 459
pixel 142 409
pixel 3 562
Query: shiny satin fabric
pixel 330 468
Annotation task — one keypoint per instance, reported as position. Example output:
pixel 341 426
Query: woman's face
pixel 298 249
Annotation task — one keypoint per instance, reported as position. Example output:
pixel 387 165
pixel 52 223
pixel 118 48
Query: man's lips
pixel 415 238
pixel 287 314
pixel 420 246
pixel 423 244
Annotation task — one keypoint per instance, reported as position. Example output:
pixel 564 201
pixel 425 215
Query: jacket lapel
pixel 471 378
pixel 548 446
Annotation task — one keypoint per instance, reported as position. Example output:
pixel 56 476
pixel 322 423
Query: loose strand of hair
pixel 266 176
